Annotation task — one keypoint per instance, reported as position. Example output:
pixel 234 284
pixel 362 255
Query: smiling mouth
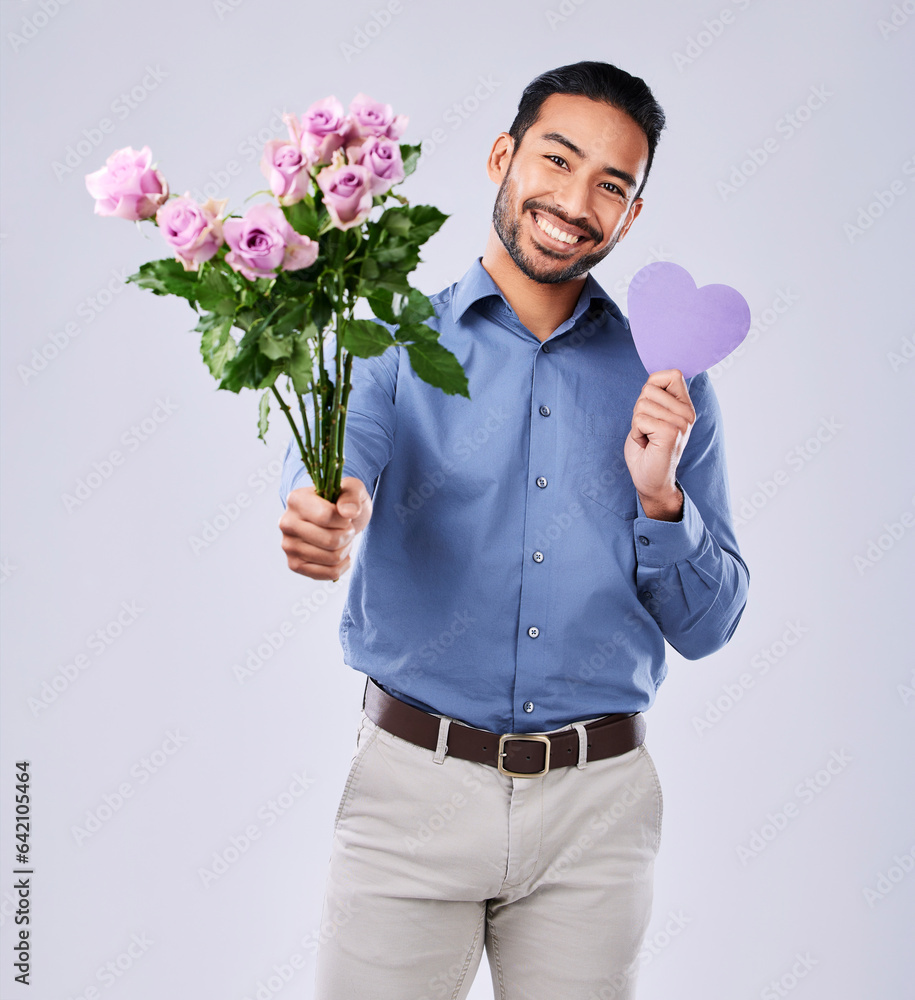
pixel 556 235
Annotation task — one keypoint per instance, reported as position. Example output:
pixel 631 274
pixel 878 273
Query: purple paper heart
pixel 677 325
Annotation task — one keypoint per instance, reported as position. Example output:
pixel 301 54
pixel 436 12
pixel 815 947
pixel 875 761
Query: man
pixel 525 555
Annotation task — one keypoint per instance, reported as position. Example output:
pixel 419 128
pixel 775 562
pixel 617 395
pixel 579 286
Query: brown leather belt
pixel 520 755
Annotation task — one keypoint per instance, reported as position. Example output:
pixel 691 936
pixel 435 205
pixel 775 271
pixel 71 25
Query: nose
pixel 573 198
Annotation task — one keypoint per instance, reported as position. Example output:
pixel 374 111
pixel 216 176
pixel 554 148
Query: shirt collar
pixel 477 283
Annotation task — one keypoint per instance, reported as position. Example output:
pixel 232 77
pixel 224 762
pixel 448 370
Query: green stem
pixel 305 453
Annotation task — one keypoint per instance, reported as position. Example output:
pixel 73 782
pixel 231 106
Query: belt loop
pixel 441 747
pixel 582 745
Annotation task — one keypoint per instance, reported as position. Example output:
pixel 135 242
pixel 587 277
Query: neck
pixel 540 307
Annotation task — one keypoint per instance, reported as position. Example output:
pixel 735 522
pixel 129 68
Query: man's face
pixel 577 169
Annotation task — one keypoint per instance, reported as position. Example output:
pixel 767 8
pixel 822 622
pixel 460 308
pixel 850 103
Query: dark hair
pixel 601 82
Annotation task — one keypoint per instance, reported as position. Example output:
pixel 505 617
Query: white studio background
pixel 787 171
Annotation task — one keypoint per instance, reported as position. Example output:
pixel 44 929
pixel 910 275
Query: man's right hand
pixel 317 534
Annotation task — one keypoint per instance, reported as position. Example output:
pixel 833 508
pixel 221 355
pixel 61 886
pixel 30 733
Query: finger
pixel 673 418
pixel 672 380
pixel 297 531
pixel 656 428
pixel 317 571
pixel 664 398
pixel 300 554
pixel 306 503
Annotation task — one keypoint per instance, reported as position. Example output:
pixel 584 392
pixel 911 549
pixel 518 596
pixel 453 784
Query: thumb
pixel 350 501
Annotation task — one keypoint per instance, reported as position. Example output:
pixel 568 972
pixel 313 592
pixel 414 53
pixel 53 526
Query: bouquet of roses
pixel 288 273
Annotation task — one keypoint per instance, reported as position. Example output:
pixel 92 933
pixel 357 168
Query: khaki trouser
pixel 431 862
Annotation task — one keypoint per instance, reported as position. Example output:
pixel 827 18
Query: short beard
pixel 508 229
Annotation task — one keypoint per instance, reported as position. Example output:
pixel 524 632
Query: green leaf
pixel 303 217
pixel 426 220
pixel 414 308
pixel 216 292
pixel 410 156
pixel 263 412
pixel 439 367
pixel 167 277
pixel 217 346
pixel 300 366
pixel 396 221
pixel 250 368
pixel 365 338
pixel 381 300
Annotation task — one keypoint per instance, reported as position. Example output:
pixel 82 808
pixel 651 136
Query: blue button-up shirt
pixel 509 577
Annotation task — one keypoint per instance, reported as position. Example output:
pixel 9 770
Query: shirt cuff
pixel 663 543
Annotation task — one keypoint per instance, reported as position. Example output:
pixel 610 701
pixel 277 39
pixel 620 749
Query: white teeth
pixel 557 234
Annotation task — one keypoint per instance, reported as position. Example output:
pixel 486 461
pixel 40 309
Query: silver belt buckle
pixel 531 739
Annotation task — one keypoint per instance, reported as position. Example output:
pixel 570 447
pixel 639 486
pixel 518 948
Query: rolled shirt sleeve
pixel 690 574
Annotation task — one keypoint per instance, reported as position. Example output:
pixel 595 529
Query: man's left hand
pixel 662 419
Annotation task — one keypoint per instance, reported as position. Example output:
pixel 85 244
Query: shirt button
pixel 546 348
pixel 533 631
pixel 541 481
pixel 528 706
pixel 646 595
pixel 643 539
pixel 538 557
pixel 545 410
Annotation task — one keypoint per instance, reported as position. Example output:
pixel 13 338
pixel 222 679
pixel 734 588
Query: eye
pixel 607 185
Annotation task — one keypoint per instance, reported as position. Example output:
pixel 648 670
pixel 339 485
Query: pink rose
pixel 322 129
pixel 347 194
pixel 383 160
pixel 371 118
pixel 287 167
pixel 127 186
pixel 263 241
pixel 195 231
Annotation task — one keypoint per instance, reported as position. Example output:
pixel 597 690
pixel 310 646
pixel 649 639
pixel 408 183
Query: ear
pixel 634 210
pixel 499 157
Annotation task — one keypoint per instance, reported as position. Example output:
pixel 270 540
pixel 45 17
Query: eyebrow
pixel 612 171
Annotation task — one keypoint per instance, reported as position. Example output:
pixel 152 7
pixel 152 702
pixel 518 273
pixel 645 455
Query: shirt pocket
pixel 603 474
